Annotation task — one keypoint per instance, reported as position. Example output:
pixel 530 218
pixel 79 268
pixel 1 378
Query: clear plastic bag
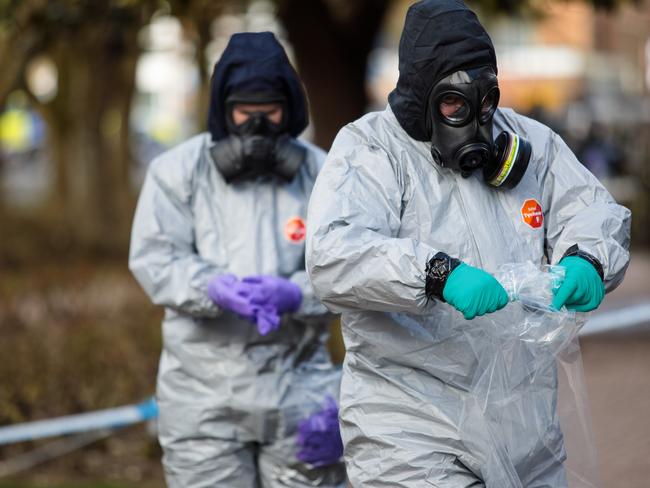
pixel 526 415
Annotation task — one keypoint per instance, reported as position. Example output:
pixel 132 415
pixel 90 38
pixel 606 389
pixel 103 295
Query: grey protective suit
pixel 230 399
pixel 379 211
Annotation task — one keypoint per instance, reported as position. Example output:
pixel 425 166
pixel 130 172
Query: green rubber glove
pixel 473 291
pixel 582 289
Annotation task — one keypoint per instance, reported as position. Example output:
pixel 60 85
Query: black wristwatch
pixel 575 251
pixel 437 271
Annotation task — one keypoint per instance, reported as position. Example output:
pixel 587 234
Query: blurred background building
pixel 91 91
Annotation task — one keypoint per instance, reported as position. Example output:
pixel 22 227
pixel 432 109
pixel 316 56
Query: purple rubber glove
pixel 267 319
pixel 283 294
pixel 244 299
pixel 227 291
pixel 319 438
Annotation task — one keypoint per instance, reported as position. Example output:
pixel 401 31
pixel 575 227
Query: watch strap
pixel 575 251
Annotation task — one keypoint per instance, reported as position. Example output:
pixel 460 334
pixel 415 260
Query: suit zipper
pixel 469 227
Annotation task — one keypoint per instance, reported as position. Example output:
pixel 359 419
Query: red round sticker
pixel 531 212
pixel 295 230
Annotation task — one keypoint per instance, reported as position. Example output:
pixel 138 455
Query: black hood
pixel 439 38
pixel 255 62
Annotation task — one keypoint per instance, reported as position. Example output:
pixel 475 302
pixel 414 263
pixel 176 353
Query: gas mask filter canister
pixel 511 155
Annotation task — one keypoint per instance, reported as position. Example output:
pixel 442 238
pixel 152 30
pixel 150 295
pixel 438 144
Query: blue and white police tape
pixel 619 319
pixel 112 418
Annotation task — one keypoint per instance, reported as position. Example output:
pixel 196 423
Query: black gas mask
pixel 460 112
pixel 257 146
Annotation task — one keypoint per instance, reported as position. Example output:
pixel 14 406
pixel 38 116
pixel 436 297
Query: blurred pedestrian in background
pixel 414 210
pixel 246 388
pixel 601 157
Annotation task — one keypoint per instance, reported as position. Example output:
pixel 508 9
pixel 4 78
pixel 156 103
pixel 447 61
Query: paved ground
pixel 617 369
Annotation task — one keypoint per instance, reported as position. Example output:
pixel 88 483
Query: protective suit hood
pixel 255 62
pixel 439 38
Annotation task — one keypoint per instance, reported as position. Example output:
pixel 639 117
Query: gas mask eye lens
pixel 453 107
pixel 489 105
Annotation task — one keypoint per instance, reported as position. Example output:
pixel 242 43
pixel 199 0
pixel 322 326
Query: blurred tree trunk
pixel 332 42
pixel 197 17
pixel 95 48
pixel 15 52
pixel 3 164
pixel 198 27
pixel 88 135
pixel 2 195
pixel 204 37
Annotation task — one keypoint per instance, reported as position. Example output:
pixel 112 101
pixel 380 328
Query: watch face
pixel 439 268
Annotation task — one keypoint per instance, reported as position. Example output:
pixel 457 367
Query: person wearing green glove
pixel 414 210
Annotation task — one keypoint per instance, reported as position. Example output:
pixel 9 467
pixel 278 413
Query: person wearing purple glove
pixel 219 240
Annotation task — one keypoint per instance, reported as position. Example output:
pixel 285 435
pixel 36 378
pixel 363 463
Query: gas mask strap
pixel 255 98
